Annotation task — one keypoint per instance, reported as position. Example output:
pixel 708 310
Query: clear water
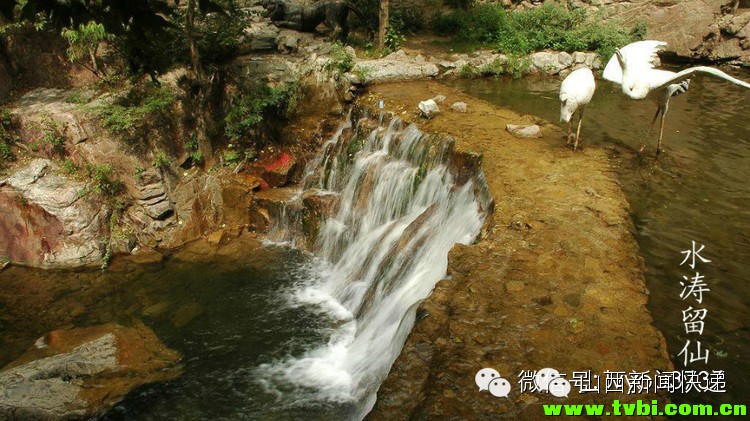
pixel 226 316
pixel 272 332
pixel 397 212
pixel 698 191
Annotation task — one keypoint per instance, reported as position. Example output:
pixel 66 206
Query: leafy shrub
pixel 103 182
pixel 469 71
pixel 550 26
pixel 232 157
pixel 53 134
pixel 161 160
pixel 69 167
pixel 341 61
pixel 130 116
pixel 192 146
pixel 254 106
pixel 84 44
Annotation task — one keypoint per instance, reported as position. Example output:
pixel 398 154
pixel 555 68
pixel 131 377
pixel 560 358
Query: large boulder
pixel 395 67
pixel 78 373
pixel 47 222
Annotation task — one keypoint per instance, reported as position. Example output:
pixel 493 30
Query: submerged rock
pixel 459 106
pixel 529 132
pixel 80 372
pixel 428 108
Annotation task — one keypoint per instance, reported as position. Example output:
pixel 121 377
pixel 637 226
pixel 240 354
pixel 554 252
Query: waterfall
pixel 389 209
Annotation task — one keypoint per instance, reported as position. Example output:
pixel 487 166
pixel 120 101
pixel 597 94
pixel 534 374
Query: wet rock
pixel 47 222
pixel 277 171
pixel 546 62
pixel 461 107
pixel 80 372
pixel 208 202
pixel 428 108
pixel 523 131
pixel 439 99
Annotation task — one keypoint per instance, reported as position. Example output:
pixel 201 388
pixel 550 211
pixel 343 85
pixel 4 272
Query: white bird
pixel 632 67
pixel 575 92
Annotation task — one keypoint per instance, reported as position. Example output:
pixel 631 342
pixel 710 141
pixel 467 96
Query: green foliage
pixel 469 71
pixel 129 115
pixel 459 4
pixel 161 160
pixel 53 134
pixel 196 156
pixel 363 73
pixel 84 41
pixel 7 137
pixel 253 106
pixel 394 37
pixel 232 157
pixel 550 26
pixel 341 61
pixel 69 167
pixel 139 170
pixel 515 66
pixel 103 181
pixel 640 30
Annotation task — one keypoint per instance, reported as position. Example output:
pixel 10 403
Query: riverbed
pixel 696 191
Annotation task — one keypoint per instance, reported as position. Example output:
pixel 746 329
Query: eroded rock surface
pixel 47 222
pixel 76 373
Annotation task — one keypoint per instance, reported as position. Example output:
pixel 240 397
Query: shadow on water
pixel 698 190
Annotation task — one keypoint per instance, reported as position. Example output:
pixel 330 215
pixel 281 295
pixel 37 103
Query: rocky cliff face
pixel 55 217
pixel 47 223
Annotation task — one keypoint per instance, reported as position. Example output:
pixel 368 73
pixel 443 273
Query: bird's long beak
pixel 620 58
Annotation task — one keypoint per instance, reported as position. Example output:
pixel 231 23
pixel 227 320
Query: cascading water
pixel 394 211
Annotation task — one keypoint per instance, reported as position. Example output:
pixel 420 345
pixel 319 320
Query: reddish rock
pixel 278 170
pixel 46 221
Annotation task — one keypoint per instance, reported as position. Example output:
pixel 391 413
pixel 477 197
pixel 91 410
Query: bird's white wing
pixel 638 55
pixel 688 73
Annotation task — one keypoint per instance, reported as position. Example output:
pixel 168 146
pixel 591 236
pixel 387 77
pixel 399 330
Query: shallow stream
pixel 698 190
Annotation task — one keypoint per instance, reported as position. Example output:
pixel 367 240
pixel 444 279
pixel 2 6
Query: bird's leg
pixel 665 108
pixel 569 134
pixel 578 132
pixel 651 127
pixel 661 134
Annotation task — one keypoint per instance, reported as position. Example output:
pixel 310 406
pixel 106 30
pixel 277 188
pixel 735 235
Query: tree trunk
pixel 190 29
pixel 383 23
